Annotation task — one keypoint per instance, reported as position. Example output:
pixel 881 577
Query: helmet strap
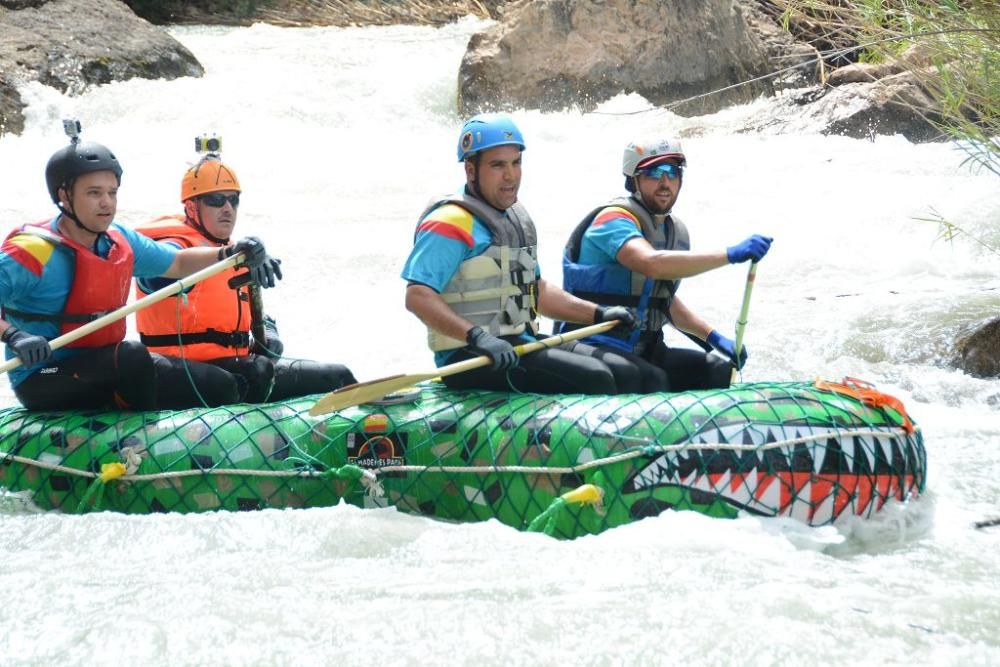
pixel 70 213
pixel 474 181
pixel 193 218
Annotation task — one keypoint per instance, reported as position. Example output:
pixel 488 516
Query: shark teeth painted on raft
pixel 809 456
pixel 818 477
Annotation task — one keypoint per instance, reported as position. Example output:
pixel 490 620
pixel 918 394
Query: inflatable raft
pixel 568 465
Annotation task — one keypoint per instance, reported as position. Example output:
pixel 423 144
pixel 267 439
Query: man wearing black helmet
pixel 61 273
pixel 632 251
pixel 473 279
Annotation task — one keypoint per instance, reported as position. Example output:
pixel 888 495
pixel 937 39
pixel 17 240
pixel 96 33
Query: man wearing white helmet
pixel 473 279
pixel 632 252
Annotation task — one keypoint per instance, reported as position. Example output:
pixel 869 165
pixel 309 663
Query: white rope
pixel 372 486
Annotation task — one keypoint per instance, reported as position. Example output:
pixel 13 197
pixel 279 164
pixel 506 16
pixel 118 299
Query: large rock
pixel 549 54
pixel 978 352
pixel 895 104
pixel 793 64
pixel 11 107
pixel 73 44
pixel 859 107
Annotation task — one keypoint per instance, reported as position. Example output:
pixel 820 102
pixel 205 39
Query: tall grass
pixel 952 47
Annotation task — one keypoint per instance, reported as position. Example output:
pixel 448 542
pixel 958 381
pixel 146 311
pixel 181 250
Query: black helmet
pixel 71 162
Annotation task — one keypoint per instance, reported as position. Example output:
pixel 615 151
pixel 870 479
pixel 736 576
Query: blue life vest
pixel 616 285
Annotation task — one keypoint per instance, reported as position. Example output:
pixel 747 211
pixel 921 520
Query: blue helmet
pixel 487 130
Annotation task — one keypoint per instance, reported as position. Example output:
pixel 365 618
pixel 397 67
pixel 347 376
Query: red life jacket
pixel 100 286
pixel 214 318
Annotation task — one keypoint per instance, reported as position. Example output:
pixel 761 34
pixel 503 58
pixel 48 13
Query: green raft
pixel 568 465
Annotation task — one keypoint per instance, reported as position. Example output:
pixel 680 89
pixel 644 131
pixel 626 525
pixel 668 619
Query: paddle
pixel 257 316
pixel 128 309
pixel 741 323
pixel 364 392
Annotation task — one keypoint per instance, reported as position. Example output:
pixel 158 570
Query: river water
pixel 339 137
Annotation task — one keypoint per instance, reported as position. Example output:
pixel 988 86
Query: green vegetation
pixel 950 47
pixel 949 231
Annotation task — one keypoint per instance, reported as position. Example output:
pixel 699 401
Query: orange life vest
pixel 214 318
pixel 100 286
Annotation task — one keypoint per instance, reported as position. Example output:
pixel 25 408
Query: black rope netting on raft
pixel 568 465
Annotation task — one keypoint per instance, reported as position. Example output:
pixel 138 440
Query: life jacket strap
pixel 235 339
pixel 58 318
pixel 632 300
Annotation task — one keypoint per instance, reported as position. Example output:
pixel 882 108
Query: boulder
pixel 978 352
pixel 11 107
pixel 550 54
pixel 896 104
pixel 73 44
pixel 794 64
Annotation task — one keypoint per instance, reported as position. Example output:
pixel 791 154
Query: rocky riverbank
pixel 695 58
pixel 73 44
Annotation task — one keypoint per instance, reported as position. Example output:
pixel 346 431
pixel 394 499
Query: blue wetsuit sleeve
pixel 152 284
pixel 151 258
pixel 445 238
pixel 604 238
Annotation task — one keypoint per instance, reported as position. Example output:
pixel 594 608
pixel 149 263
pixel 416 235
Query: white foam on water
pixel 339 137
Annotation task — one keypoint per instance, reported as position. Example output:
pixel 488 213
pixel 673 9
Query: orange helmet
pixel 209 175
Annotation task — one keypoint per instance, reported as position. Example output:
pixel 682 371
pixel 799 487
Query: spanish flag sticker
pixel 376 423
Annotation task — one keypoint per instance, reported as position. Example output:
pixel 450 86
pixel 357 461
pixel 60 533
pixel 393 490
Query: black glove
pixel 627 317
pixel 264 269
pixel 274 347
pixel 500 352
pixel 31 349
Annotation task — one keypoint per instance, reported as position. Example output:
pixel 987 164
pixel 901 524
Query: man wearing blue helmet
pixel 632 252
pixel 473 279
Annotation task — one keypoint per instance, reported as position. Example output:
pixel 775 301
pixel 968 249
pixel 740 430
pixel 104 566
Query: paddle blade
pixel 365 392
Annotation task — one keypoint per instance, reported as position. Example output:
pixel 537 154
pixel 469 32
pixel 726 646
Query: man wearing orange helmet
pixel 632 252
pixel 58 274
pixel 211 323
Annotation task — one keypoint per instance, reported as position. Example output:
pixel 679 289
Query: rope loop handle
pixel 865 392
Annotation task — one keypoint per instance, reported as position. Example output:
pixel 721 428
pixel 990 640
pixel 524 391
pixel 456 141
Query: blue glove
pixel 626 317
pixel 500 352
pixel 274 347
pixel 31 349
pixel 727 348
pixel 754 247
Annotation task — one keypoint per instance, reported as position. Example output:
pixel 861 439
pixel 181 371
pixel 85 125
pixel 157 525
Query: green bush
pixel 960 65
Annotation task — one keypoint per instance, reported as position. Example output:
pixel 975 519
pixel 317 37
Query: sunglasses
pixel 671 171
pixel 216 200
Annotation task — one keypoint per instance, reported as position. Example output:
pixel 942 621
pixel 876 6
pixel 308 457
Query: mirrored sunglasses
pixel 216 200
pixel 670 170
